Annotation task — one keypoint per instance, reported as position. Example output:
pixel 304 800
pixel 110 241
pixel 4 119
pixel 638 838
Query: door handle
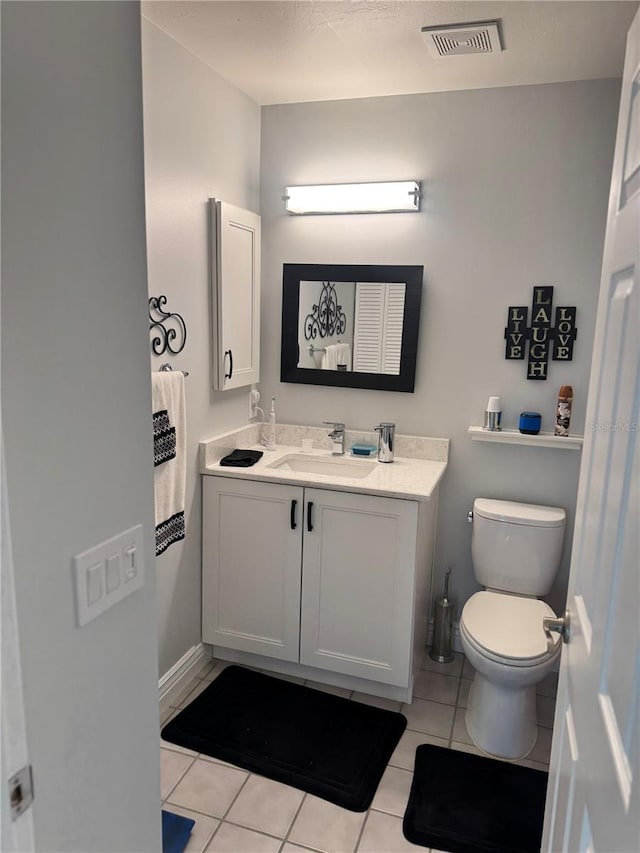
pixel 230 354
pixel 294 504
pixel 560 626
pixel 309 516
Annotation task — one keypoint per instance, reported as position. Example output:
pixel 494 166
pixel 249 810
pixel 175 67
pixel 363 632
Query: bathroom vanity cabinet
pixel 331 582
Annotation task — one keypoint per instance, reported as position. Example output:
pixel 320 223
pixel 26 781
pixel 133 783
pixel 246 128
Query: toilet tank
pixel 516 547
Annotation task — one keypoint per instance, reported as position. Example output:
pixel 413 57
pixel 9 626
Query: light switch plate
pixel 96 571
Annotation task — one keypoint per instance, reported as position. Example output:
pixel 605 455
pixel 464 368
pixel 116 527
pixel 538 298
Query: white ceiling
pixel 285 51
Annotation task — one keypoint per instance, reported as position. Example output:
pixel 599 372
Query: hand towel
pixel 344 354
pixel 330 357
pixel 169 421
pixel 336 354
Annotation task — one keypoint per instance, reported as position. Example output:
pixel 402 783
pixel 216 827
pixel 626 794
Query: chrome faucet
pixel 337 437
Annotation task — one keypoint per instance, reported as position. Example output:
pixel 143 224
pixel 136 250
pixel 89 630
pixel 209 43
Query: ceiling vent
pixel 463 39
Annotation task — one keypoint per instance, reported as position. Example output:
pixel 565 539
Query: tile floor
pixel 240 812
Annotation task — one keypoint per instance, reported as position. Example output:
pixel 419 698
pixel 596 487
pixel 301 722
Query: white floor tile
pixel 165 744
pixel 199 687
pixel 329 688
pixel 541 751
pixel 235 839
pixel 460 732
pixel 545 710
pixel 467 670
pixel 266 806
pixel 383 834
pixel 208 788
pixel 201 832
pixel 393 791
pixel 326 827
pixel 470 748
pixel 376 701
pixel 453 668
pixel 463 695
pixel 172 767
pixel 435 687
pixel 404 755
pixel 432 718
pixel 288 847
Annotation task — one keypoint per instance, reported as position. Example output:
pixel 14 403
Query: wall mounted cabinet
pixel 330 580
pixel 235 295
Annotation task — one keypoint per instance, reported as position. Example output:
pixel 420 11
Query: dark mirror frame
pixel 293 274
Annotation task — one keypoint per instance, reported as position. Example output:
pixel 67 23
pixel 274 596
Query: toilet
pixel 515 549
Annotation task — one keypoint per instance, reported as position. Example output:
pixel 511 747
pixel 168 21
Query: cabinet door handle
pixel 230 354
pixel 309 517
pixel 294 504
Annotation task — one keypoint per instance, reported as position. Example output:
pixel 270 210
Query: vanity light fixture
pixel 382 197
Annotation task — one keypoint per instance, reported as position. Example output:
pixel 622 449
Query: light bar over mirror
pixel 382 197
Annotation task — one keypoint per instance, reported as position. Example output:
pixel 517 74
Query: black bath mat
pixel 465 803
pixel 332 747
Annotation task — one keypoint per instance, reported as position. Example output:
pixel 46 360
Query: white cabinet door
pixel 358 584
pixel 235 295
pixel 252 550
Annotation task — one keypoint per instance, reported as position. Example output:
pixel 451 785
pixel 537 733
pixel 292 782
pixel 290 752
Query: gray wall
pixel 202 139
pixel 76 410
pixel 515 185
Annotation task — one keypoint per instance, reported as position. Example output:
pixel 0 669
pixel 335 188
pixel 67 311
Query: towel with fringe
pixel 169 450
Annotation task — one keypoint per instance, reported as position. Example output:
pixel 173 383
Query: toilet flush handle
pixel 560 626
pixel 470 516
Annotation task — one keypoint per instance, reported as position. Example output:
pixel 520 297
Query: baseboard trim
pixel 188 665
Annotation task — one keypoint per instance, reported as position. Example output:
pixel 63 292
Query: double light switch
pixel 106 574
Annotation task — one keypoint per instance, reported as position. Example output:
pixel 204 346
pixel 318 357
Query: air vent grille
pixel 463 39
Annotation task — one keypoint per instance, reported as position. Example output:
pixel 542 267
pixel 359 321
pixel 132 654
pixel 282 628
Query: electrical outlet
pixel 254 399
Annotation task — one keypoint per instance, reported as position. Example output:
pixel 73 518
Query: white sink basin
pixel 334 466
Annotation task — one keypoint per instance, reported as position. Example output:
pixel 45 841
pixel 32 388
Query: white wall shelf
pixel 514 436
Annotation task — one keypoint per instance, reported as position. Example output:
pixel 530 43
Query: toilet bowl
pixel 516 552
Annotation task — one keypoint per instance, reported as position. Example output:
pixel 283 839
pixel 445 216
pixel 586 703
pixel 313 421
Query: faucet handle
pixel 337 425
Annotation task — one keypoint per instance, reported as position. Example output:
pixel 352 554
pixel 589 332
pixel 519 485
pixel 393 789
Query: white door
pixel 357 585
pixel 235 295
pixel 251 557
pixel 593 802
pixel 16 831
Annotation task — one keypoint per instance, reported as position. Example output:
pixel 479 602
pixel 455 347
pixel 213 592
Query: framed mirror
pixel 351 326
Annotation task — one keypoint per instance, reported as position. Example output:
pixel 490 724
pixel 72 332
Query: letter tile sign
pixel 542 337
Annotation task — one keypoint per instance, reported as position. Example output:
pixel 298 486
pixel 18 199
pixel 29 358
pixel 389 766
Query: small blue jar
pixel 530 423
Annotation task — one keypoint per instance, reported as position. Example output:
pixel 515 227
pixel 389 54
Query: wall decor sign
pixel 543 337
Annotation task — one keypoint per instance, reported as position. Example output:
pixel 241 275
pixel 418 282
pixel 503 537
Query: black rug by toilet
pixel 332 747
pixel 465 803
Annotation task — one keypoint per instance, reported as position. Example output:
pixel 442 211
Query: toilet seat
pixel 508 628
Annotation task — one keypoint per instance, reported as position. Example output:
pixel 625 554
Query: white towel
pixel 336 354
pixel 169 425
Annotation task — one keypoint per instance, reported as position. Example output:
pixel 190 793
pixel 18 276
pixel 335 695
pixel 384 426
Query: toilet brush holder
pixel 443 625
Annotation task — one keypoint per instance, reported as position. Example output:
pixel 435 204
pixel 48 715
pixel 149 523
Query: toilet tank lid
pixel 517 513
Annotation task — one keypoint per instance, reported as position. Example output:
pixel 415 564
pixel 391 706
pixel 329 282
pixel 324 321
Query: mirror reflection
pixel 351 326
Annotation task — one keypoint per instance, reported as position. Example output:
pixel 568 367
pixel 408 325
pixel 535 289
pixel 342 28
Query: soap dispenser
pixel 386 439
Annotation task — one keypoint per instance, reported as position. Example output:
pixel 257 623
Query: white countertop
pixel 405 477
